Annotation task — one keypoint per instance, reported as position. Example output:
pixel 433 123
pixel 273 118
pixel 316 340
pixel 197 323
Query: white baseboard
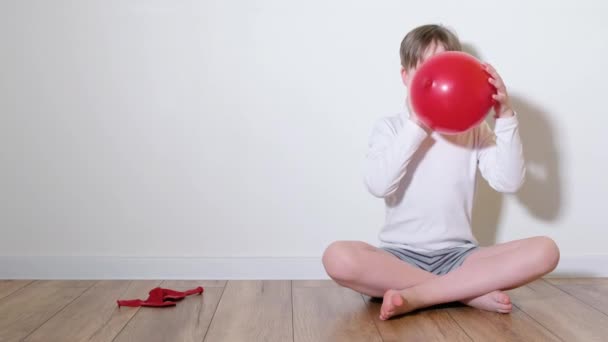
pixel 581 266
pixel 87 267
pixel 90 267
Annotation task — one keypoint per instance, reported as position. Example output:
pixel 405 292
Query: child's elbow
pixel 511 186
pixel 379 189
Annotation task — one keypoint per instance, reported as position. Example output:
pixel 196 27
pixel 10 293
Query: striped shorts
pixel 437 262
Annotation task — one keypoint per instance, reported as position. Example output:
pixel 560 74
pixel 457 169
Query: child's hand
pixel 503 108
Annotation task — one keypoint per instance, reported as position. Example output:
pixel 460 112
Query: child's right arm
pixel 389 152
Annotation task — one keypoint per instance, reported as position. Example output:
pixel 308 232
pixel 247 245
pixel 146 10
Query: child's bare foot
pixel 394 304
pixel 496 301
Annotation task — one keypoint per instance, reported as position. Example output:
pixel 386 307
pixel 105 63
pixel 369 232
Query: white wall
pixel 218 129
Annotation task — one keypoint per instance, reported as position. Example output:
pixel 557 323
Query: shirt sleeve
pixel 389 152
pixel 500 155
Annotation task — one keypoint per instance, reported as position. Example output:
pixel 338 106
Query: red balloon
pixel 450 92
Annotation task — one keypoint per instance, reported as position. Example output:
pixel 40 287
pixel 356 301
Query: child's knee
pixel 340 261
pixel 548 252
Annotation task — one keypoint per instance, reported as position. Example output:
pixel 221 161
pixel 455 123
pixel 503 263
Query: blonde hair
pixel 415 43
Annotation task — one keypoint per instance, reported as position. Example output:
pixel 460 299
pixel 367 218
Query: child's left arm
pixel 500 153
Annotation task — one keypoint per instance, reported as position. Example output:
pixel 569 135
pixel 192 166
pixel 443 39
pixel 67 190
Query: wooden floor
pixel 545 310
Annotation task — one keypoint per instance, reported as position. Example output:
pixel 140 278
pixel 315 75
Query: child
pixel 428 254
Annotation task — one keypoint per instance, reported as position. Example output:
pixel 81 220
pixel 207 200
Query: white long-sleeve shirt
pixel 428 181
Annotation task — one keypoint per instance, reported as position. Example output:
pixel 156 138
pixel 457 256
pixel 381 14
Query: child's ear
pixel 404 76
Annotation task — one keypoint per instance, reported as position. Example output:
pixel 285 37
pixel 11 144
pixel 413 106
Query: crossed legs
pixel 485 272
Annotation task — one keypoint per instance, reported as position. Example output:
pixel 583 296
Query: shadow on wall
pixel 541 194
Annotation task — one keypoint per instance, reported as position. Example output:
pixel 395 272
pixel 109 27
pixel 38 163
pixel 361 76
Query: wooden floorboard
pixel 314 283
pixel 64 283
pixel 7 287
pixel 25 310
pixel 564 315
pixel 592 291
pixel 331 314
pixel 424 325
pixel 496 327
pixel 569 309
pixel 190 284
pixel 253 310
pixel 91 313
pixel 137 289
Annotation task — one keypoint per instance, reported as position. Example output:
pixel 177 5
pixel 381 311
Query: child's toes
pixel 505 308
